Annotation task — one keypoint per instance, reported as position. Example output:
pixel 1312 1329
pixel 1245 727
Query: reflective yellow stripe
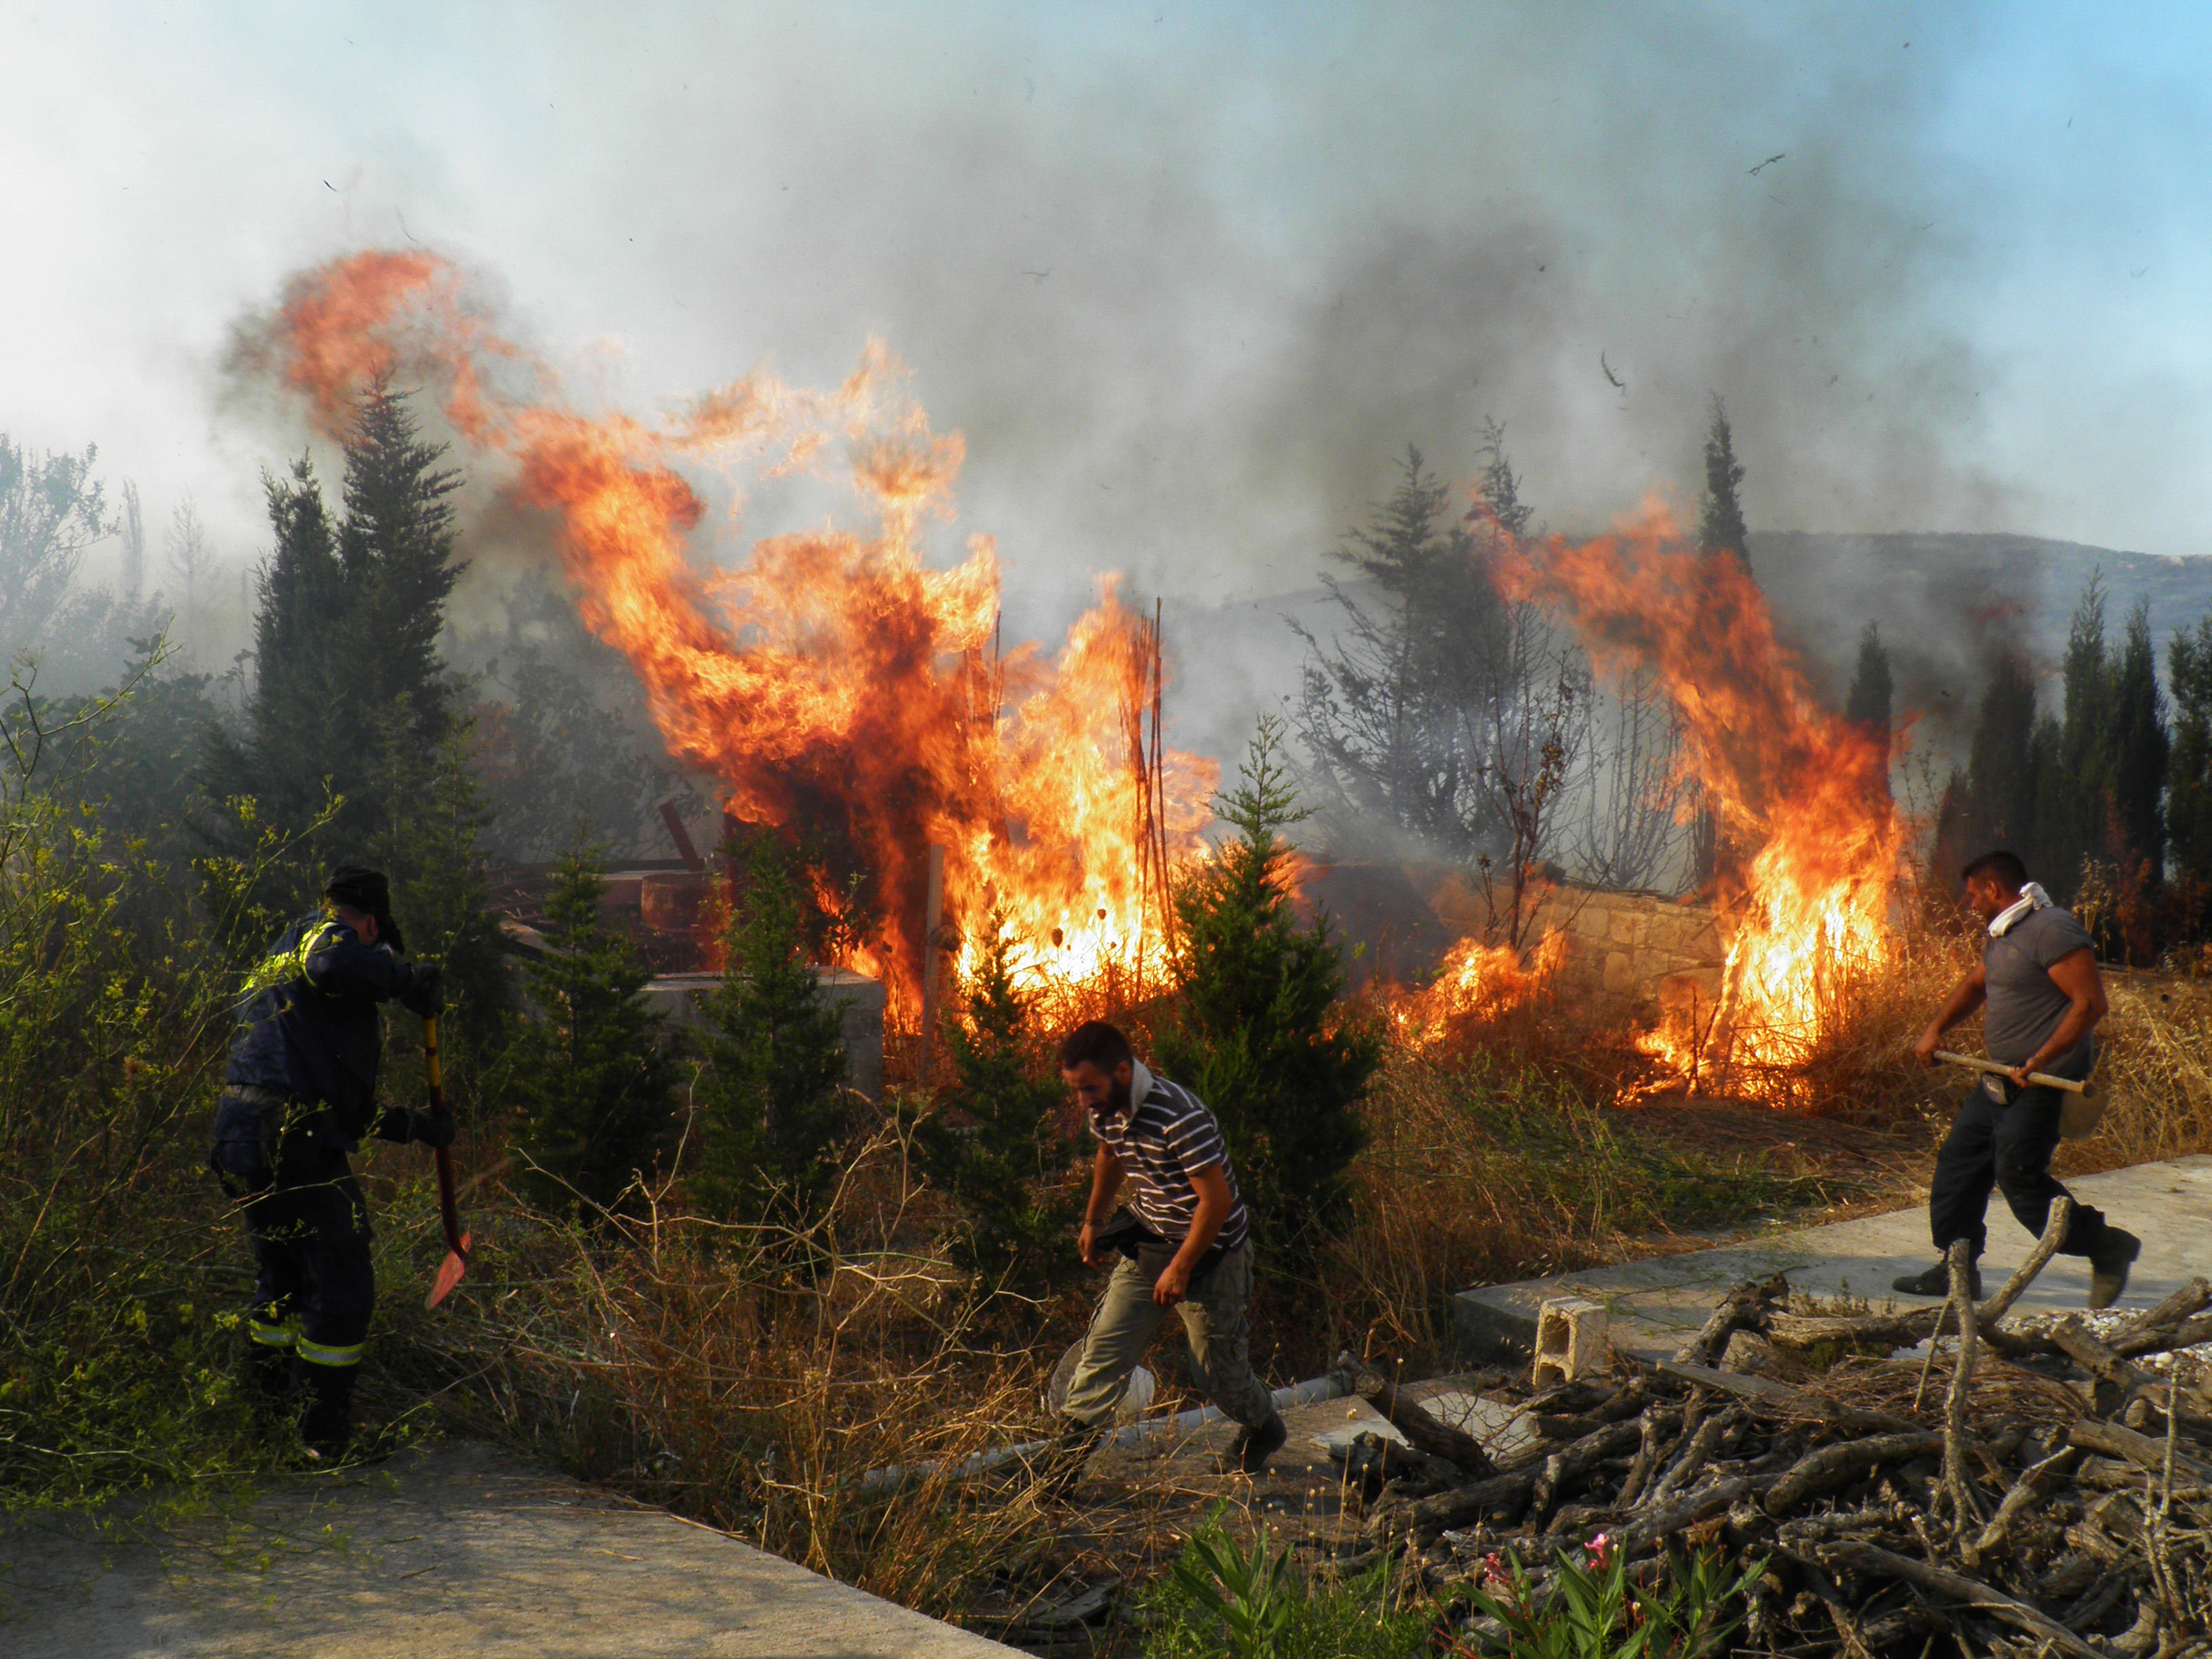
pixel 272 1336
pixel 316 1353
pixel 278 966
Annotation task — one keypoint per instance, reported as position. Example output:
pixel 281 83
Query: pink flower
pixel 1600 1550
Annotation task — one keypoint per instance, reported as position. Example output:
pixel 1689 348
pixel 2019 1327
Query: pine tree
pixel 1259 1037
pixel 1720 522
pixel 592 1070
pixel 2139 746
pixel 1007 1165
pixel 772 1090
pixel 2189 786
pixel 1869 704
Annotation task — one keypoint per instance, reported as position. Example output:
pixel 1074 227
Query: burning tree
pixel 835 684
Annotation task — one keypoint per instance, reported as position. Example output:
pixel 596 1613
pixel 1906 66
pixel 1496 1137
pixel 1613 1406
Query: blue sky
pixel 1188 277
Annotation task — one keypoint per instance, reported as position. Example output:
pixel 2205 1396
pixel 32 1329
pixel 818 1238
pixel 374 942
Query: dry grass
pixel 749 1377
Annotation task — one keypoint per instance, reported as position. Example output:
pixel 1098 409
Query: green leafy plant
pixel 1595 1608
pixel 1248 1594
pixel 1220 1601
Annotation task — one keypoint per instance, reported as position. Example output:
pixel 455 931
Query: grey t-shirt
pixel 2024 1004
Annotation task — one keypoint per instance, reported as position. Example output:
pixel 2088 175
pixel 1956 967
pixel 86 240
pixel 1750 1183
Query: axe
pixel 457 1241
pixel 2077 1118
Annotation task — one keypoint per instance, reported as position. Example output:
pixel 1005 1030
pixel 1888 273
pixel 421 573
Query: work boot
pixel 1937 1281
pixel 1248 1452
pixel 1058 1465
pixel 2108 1266
pixel 326 1426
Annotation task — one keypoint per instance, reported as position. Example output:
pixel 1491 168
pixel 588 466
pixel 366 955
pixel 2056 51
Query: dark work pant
pixel 2008 1148
pixel 315 1283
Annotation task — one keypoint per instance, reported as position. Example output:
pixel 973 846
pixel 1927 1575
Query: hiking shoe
pixel 1937 1281
pixel 1058 1465
pixel 1249 1453
pixel 2108 1266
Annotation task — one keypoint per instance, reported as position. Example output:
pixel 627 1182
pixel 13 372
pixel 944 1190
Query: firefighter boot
pixel 327 1424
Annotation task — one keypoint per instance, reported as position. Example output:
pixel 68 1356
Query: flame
pixel 1475 985
pixel 1801 792
pixel 833 682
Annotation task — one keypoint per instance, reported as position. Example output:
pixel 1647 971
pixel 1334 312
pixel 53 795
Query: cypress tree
pixel 2000 766
pixel 1720 522
pixel 2070 818
pixel 2189 785
pixel 347 630
pixel 1259 1037
pixel 2136 768
pixel 771 1092
pixel 1007 1165
pixel 591 1068
pixel 1868 706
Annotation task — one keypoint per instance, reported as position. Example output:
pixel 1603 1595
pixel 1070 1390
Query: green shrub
pixel 1219 1601
pixel 771 1093
pixel 1262 1036
pixel 592 1072
pixel 1006 1166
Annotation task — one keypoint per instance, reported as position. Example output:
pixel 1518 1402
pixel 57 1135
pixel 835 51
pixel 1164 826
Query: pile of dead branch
pixel 2013 1490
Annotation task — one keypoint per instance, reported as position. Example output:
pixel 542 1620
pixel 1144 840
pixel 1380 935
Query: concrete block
pixel 1627 927
pixel 1594 921
pixel 1572 1341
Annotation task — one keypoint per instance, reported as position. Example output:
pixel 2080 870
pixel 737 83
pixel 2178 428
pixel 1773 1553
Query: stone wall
pixel 1634 948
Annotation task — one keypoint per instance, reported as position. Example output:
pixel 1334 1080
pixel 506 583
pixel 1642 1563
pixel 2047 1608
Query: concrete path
pixel 1656 1305
pixel 460 1551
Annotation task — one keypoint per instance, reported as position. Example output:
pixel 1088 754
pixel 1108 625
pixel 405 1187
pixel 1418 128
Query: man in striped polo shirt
pixel 1185 1246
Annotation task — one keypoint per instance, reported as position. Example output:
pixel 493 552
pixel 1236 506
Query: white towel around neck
pixel 2031 899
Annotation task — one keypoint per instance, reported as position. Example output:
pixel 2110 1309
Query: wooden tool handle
pixel 2041 1080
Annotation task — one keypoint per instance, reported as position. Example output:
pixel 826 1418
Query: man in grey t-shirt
pixel 2039 979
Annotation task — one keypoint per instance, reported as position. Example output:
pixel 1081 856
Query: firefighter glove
pixel 402 1126
pixel 426 991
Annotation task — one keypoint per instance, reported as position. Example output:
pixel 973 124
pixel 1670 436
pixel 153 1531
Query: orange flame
pixel 833 682
pixel 1475 986
pixel 1802 793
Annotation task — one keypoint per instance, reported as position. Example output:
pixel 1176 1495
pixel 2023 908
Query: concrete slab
pixel 1656 1305
pixel 463 1550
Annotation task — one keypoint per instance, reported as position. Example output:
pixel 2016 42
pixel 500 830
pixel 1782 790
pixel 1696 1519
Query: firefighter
pixel 297 1095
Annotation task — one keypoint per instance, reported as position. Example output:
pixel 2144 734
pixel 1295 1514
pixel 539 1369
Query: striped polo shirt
pixel 1164 1138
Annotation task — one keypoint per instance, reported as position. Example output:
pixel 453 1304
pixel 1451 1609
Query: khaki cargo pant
pixel 1213 1318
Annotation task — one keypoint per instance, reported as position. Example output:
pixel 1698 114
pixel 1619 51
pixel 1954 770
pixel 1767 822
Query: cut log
pixel 1749 1305
pixel 2190 1299
pixel 1572 1462
pixel 1501 1497
pixel 1831 1466
pixel 1664 1520
pixel 2187 1335
pixel 2139 1449
pixel 1870 1558
pixel 1423 1430
pixel 1874 1333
